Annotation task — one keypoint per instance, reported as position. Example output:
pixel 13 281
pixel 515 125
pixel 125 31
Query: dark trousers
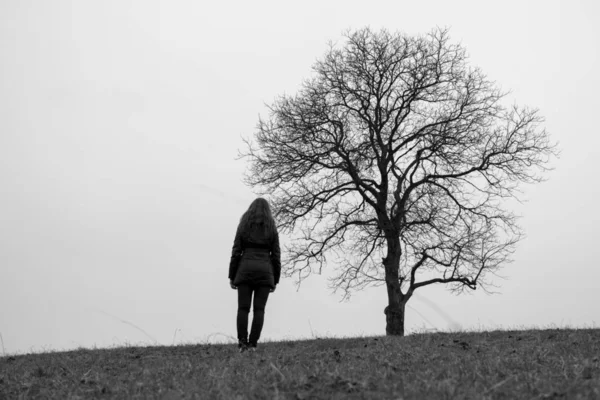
pixel 261 294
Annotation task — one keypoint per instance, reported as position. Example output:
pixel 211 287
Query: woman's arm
pixel 236 255
pixel 276 258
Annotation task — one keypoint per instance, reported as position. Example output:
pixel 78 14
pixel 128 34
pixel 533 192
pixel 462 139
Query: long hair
pixel 258 216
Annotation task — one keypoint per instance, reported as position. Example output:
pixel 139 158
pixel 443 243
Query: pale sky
pixel 120 192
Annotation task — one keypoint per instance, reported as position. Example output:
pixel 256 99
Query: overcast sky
pixel 120 191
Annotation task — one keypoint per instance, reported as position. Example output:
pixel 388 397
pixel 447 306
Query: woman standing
pixel 255 268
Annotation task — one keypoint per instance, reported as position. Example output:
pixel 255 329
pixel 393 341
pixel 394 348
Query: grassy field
pixel 535 364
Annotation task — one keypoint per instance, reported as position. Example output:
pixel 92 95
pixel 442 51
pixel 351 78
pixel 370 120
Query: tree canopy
pixel 394 160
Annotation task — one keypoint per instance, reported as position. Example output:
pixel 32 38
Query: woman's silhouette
pixel 255 268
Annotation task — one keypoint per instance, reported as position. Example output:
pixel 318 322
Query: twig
pixel 497 385
pixel 276 369
pixel 3 349
pixel 86 374
pixel 311 329
pixel 130 324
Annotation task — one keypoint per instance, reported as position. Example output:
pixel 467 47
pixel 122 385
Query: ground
pixel 533 364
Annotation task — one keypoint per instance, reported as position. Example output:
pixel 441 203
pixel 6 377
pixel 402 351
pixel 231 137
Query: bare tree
pixel 393 161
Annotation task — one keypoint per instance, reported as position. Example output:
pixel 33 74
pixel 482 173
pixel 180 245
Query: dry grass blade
pixel 278 371
pixel 497 385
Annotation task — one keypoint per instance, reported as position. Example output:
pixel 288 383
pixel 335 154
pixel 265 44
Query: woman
pixel 254 268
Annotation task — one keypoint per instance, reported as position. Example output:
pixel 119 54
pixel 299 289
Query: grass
pixel 534 364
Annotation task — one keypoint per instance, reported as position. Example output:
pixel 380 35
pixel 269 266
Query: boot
pixel 243 345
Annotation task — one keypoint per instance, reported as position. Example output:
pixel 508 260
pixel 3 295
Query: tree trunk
pixel 395 320
pixel 394 312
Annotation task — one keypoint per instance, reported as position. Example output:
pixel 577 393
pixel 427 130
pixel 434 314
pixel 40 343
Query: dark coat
pixel 255 258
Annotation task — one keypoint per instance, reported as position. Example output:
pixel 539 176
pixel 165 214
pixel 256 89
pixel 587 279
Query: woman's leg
pixel 244 300
pixel 261 294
